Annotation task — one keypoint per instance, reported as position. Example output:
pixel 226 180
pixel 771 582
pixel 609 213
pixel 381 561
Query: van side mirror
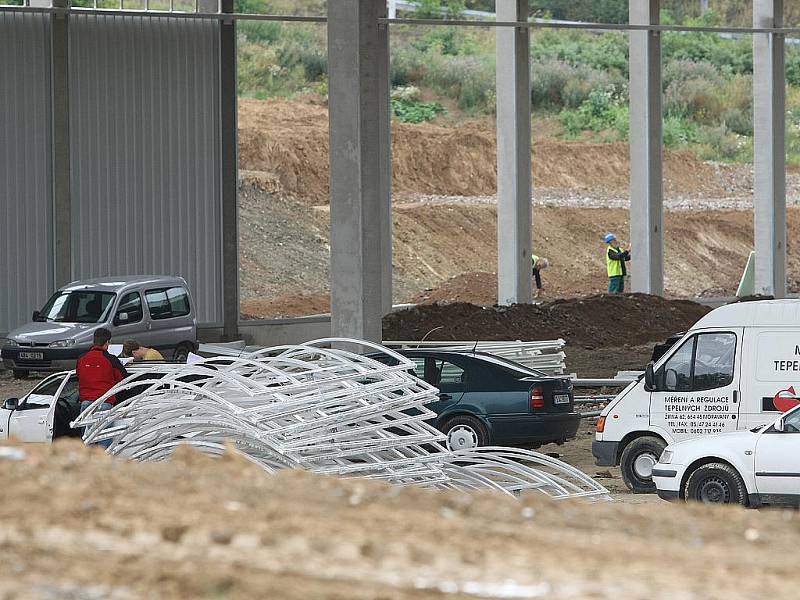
pixel 36 315
pixel 11 404
pixel 122 317
pixel 649 378
pixel 779 426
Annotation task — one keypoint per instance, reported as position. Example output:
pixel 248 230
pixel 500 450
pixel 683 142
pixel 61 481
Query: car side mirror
pixel 779 426
pixel 649 378
pixel 122 317
pixel 11 404
pixel 36 315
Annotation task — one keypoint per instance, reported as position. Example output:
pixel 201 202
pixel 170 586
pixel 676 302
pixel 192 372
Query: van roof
pixel 759 313
pixel 113 284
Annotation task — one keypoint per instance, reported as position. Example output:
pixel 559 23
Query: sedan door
pixel 777 460
pixel 32 421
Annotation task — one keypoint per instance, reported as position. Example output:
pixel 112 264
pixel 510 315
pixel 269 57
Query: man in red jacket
pixel 98 371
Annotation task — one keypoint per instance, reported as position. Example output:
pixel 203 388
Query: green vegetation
pixel 408 108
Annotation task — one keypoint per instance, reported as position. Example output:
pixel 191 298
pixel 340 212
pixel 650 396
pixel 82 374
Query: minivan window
pixel 77 307
pixel 713 360
pixel 131 305
pixel 676 374
pixel 703 362
pixel 167 303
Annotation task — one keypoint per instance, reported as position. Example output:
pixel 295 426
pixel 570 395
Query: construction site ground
pixel 444 213
pixel 77 524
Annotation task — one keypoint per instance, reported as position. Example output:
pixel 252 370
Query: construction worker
pixel 538 264
pixel 616 258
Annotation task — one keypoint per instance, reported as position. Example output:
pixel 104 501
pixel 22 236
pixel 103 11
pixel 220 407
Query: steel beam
pixel 59 86
pixel 514 214
pixel 646 184
pixel 229 176
pixel 357 50
pixel 769 150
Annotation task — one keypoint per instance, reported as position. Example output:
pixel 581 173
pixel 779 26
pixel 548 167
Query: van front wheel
pixel 637 462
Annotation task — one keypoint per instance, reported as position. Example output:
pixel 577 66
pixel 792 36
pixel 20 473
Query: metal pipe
pixel 788 31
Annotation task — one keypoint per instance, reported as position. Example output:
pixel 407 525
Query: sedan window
pixel 42 395
pixel 449 373
pixel 791 424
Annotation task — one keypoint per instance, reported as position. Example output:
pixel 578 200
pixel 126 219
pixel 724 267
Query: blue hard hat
pixel 610 237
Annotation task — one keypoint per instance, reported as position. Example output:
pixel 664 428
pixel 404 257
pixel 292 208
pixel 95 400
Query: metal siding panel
pixel 26 198
pixel 145 137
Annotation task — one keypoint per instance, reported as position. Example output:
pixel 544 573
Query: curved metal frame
pixel 319 407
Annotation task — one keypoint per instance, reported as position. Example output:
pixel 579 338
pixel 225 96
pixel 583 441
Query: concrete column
pixel 769 150
pixel 646 189
pixel 385 145
pixel 358 128
pixel 229 175
pixel 59 86
pixel 514 215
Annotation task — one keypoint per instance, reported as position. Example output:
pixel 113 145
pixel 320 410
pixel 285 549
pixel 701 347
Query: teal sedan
pixel 489 401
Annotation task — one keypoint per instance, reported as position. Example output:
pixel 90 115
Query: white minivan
pixel 738 367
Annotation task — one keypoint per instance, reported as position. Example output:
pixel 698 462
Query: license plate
pixel 561 398
pixel 31 355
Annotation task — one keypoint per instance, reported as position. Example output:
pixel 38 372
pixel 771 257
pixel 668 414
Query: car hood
pixel 709 445
pixel 46 332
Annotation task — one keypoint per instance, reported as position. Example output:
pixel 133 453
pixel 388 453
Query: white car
pixel 752 468
pixel 45 413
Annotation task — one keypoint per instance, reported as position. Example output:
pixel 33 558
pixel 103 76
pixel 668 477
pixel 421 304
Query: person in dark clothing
pixel 98 371
pixel 616 258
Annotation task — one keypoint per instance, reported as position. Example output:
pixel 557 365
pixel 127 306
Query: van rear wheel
pixel 637 462
pixel 182 353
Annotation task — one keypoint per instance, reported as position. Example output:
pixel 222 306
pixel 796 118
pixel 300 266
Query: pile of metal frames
pixel 322 407
pixel 547 356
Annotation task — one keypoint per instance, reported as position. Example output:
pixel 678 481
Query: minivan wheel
pixel 464 432
pixel 637 462
pixel 715 483
pixel 181 353
pixel 21 374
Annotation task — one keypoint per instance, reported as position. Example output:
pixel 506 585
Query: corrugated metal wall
pixel 145 153
pixel 26 214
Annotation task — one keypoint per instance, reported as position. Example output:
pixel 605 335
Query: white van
pixel 736 368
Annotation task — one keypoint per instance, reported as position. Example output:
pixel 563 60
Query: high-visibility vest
pixel 534 261
pixel 615 267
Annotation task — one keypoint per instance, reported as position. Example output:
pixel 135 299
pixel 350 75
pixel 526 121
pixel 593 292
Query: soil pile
pixel 289 139
pixel 596 321
pixel 93 527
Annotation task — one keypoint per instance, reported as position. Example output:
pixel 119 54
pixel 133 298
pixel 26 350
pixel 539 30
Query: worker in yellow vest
pixel 616 258
pixel 538 264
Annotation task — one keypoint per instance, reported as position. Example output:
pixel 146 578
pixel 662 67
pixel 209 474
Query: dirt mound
pixel 596 321
pixel 198 528
pixel 290 140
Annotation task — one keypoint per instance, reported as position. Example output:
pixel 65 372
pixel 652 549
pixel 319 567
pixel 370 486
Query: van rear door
pixel 771 374
pixel 697 387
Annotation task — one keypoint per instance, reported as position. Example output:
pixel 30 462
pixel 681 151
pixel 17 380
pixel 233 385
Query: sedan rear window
pixel 517 369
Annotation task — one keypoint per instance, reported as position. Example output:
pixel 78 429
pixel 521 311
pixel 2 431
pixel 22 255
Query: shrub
pixel 413 111
pixel 468 79
pixel 260 31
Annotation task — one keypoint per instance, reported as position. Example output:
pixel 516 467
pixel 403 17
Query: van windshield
pixel 77 307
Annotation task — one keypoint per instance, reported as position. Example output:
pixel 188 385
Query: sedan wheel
pixel 462 437
pixel 716 483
